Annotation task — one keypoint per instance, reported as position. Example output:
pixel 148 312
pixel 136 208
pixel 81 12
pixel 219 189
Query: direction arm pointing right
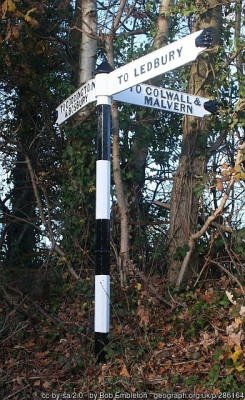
pixel 168 100
pixel 158 62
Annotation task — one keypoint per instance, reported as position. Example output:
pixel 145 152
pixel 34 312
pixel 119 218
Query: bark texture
pixel 123 259
pixel 86 34
pixel 137 163
pixel 163 24
pixel 88 43
pixel 192 165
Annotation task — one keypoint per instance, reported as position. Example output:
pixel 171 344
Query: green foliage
pixel 239 241
pixel 213 375
pixel 224 302
pixel 39 51
pixel 77 196
pixel 229 384
pixel 198 189
pixel 181 252
pixel 31 68
pixel 191 381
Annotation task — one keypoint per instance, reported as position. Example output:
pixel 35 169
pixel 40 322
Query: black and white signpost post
pixel 125 84
pixel 103 183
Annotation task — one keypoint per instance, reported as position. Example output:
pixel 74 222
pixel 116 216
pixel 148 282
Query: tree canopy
pixel 161 160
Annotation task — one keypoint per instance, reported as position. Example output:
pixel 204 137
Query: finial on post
pixel 103 68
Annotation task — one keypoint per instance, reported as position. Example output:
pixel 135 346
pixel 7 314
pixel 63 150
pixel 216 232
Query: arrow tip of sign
pixel 55 116
pixel 212 106
pixel 205 39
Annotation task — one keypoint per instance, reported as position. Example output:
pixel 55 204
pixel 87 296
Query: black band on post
pixel 103 133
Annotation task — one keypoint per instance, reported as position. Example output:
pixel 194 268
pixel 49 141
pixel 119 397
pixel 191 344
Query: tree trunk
pixel 88 43
pixel 86 31
pixel 21 234
pixel 163 24
pixel 193 160
pixel 123 256
pixel 131 203
pixel 137 163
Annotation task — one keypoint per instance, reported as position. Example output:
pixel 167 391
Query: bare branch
pixel 210 219
pixel 233 277
pixel 202 231
pixel 47 224
pixel 119 14
pixel 161 204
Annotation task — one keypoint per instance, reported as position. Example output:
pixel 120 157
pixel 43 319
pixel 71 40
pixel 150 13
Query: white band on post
pixel 103 100
pixel 102 304
pixel 103 180
pixel 101 82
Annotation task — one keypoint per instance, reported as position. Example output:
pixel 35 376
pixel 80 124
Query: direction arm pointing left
pixel 79 99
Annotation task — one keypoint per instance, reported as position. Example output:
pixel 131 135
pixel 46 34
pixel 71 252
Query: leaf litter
pixel 197 345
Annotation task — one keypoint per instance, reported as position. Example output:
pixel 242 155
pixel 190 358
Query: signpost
pixel 140 95
pixel 165 99
pixel 124 84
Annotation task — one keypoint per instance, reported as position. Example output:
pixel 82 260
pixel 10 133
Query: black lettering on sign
pixel 175 106
pixel 197 102
pixel 182 108
pixel 138 88
pixel 171 55
pixel 169 104
pixel 148 101
pixel 156 103
pixel 156 63
pixel 155 92
pixel 123 78
pixel 178 97
pixel 73 104
pixel 85 99
pixel 149 66
pixel 160 103
pixel 163 60
pixel 148 90
pixel 163 94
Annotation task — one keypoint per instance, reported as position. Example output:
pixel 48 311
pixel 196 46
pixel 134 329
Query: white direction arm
pixel 164 99
pixel 158 62
pixel 78 100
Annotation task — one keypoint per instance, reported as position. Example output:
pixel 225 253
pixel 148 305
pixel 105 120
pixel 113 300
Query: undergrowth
pixel 186 341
